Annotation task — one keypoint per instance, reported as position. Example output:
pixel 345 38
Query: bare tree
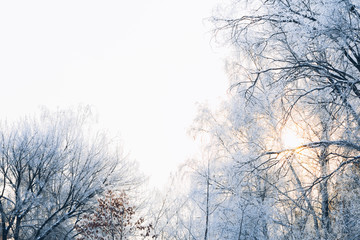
pixel 114 218
pixel 297 68
pixel 51 168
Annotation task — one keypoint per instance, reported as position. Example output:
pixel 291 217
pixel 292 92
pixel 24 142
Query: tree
pixel 298 71
pixel 177 212
pixel 241 208
pixel 114 218
pixel 51 169
pixel 302 48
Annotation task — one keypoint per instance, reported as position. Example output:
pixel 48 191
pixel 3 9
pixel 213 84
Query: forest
pixel 280 156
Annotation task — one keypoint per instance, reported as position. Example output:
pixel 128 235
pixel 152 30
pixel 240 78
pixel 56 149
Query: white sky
pixel 142 64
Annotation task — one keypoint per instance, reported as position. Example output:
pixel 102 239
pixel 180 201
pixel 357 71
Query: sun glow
pixel 291 138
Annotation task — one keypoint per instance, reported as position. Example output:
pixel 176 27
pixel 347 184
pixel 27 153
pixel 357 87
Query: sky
pixel 143 65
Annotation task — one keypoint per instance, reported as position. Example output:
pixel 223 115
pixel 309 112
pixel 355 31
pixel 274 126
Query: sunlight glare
pixel 291 138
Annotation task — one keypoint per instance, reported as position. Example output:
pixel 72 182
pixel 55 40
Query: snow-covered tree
pixel 51 168
pixel 288 137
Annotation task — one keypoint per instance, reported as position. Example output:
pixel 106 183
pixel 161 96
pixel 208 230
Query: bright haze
pixel 143 65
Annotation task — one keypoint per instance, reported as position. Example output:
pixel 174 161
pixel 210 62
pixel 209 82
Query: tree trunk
pixel 324 161
pixel 207 202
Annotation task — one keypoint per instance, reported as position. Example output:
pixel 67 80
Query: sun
pixel 290 138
